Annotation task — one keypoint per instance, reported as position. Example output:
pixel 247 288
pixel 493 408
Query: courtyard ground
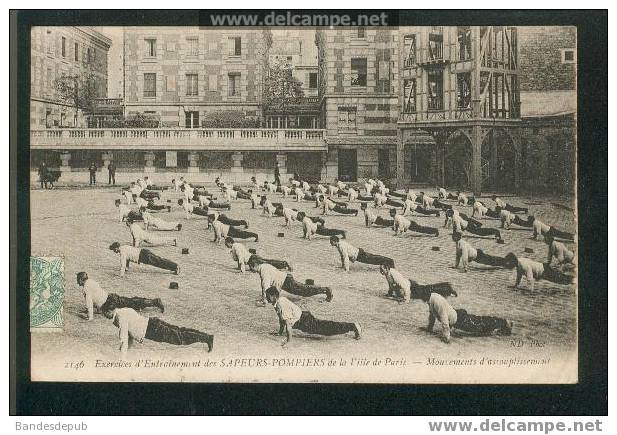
pixel 80 223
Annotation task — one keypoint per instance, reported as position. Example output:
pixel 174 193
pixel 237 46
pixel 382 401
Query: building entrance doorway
pixel 347 165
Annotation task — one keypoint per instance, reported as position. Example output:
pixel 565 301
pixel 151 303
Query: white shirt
pixel 286 190
pixel 136 189
pixel 411 195
pixel 410 206
pixel 322 189
pixel 287 310
pixel 240 254
pixel 220 230
pixel 129 196
pixel 141 202
pixel 131 325
pixel 327 204
pixel 188 208
pixel 128 253
pixel 94 296
pixel 123 211
pixel 462 198
pixel 427 201
pixel 540 228
pixel 506 218
pixel 443 192
pixel 347 252
pixel 459 223
pixel 270 276
pixel 500 203
pixel 440 309
pixel 305 186
pixel 309 227
pixel 332 190
pixel 465 253
pixel 370 216
pixel 380 199
pixel 531 269
pixel 353 194
pixel 299 193
pixel 142 184
pixel 401 224
pixel 290 215
pixel 268 207
pixel 559 251
pixel 341 185
pixel 138 233
pixel 479 208
pixel 399 283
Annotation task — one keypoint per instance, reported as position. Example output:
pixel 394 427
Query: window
pixel 149 85
pixel 234 84
pixel 312 80
pixel 170 83
pixel 383 165
pixel 212 82
pixel 361 32
pixel 191 119
pixel 463 91
pixel 409 93
pixel 192 46
pixel 235 46
pixel 464 42
pixel 192 85
pixel 568 55
pixel 76 52
pixel 435 90
pixel 409 41
pixel 435 46
pixel 346 118
pixel 383 76
pixel 89 54
pixel 50 42
pixel 358 72
pixel 150 47
pixel 63 46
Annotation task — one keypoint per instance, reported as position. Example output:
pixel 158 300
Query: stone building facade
pixel 358 91
pixel 548 104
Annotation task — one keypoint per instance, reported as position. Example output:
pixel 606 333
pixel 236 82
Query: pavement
pixel 80 224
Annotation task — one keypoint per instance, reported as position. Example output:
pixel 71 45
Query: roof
pixel 548 103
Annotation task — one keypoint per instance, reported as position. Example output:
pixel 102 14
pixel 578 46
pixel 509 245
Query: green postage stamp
pixel 46 293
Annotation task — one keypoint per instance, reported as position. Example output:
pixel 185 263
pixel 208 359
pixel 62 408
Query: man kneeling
pixel 292 316
pixel 134 326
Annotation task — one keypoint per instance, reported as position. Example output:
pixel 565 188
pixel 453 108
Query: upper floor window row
pixel 234 45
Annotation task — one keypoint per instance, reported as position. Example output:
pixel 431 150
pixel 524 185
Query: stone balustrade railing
pixel 236 139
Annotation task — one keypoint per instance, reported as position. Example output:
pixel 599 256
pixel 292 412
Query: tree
pixel 281 88
pixel 78 90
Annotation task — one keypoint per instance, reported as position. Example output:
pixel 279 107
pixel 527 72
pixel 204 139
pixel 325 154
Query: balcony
pixel 224 139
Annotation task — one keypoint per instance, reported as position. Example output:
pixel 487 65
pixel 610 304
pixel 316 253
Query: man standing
pixel 141 256
pixel 135 327
pixel 92 169
pixel 277 175
pixel 293 317
pixel 348 253
pixel 43 172
pixel 96 297
pixel 111 168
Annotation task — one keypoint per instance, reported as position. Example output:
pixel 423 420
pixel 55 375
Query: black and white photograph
pixel 332 204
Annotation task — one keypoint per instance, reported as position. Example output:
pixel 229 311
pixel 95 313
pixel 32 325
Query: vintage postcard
pixel 359 203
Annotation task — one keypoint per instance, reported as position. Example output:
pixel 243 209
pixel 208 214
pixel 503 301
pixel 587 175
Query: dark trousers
pixel 342 192
pixel 471 220
pixel 442 288
pixel 279 264
pixel 155 187
pixel 297 288
pixel 450 196
pixel 394 203
pixel 241 234
pixel 422 229
pixel 92 178
pixel 522 223
pixel 514 209
pixel 560 234
pixel 480 325
pixel 368 258
pixel 277 179
pixel 148 257
pixel 311 325
pixel 112 177
pixel 155 207
pixel 425 211
pixel 233 222
pixel 200 211
pixel 490 260
pixel 493 214
pixel 398 194
pixel 116 301
pixel 379 221
pixel 243 195
pixel 322 231
pixel 556 276
pixel 484 232
pixel 148 195
pixel 365 198
pixel 134 216
pixel 225 205
pixel 164 332
pixel 344 210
